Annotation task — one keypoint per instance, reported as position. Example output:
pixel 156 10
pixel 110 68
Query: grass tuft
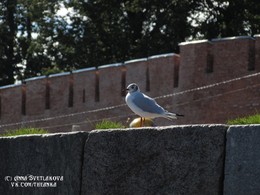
pixel 24 131
pixel 254 119
pixel 106 124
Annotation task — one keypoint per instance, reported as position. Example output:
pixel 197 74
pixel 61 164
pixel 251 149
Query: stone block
pixel 170 160
pixel 42 155
pixel 242 164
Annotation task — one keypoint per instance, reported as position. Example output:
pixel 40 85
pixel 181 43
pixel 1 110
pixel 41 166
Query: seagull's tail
pixel 171 116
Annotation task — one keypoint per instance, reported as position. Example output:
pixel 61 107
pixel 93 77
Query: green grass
pixel 24 131
pixel 106 124
pixel 254 119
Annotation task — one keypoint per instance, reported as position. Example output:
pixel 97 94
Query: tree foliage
pixel 36 39
pixel 226 18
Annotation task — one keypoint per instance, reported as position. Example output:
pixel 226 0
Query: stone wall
pixel 208 82
pixel 196 159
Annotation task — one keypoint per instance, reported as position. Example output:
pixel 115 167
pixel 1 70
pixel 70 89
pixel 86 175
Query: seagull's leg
pixel 141 123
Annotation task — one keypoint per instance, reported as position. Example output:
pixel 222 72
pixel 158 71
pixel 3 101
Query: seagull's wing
pixel 147 104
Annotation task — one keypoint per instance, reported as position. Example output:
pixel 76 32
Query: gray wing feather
pixel 147 104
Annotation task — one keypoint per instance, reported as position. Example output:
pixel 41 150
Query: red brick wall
pixel 257 52
pixel 89 95
pixel 230 58
pixel 11 104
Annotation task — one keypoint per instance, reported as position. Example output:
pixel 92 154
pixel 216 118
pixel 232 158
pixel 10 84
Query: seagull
pixel 145 106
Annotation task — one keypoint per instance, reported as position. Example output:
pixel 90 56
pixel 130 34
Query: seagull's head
pixel 132 88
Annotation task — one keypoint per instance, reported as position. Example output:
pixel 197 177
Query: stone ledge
pixel 161 160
